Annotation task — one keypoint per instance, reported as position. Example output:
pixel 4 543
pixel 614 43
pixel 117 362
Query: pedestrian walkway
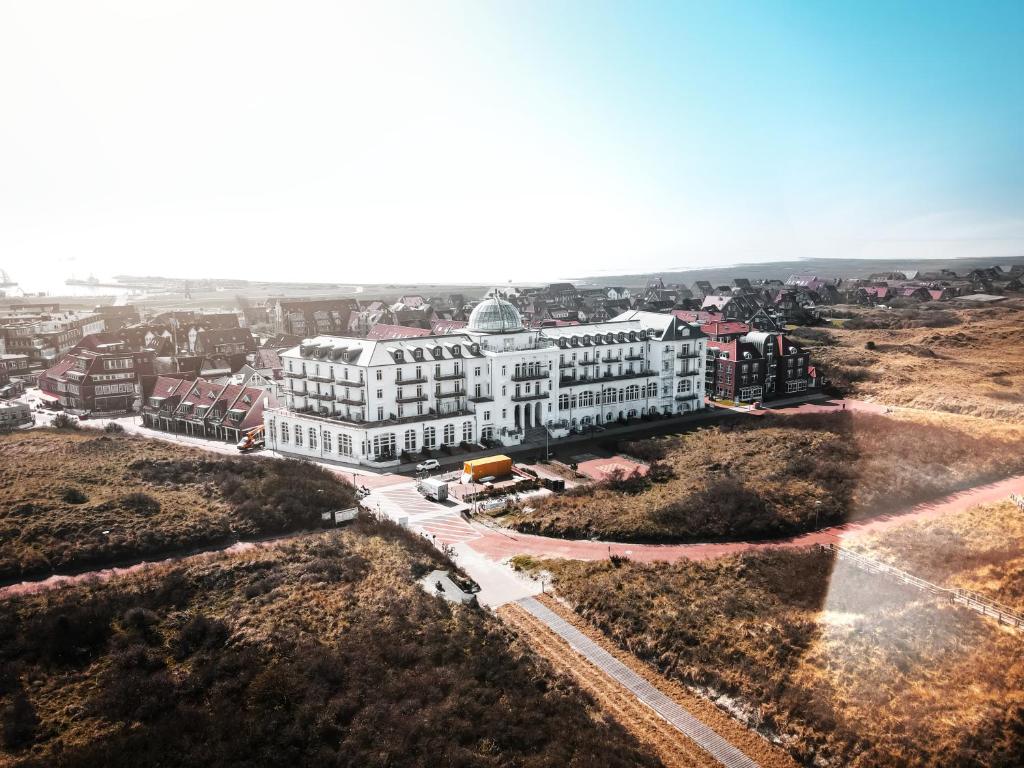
pixel 437 520
pixel 695 730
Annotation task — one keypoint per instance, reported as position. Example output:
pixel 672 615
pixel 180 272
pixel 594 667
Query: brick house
pixel 757 366
pixel 99 376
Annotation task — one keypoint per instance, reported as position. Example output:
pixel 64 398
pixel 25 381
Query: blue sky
pixel 488 141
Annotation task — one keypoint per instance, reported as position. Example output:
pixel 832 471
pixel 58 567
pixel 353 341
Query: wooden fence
pixel 965 597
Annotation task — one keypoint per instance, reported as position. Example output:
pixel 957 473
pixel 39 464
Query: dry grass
pixel 80 500
pixel 846 668
pixel 981 549
pixel 783 475
pixel 315 652
pixel 974 367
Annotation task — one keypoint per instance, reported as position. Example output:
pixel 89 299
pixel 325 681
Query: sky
pixel 490 141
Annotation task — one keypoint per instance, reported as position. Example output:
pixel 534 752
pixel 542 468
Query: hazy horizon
pixel 482 142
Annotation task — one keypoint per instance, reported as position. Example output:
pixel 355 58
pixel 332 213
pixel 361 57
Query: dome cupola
pixel 494 315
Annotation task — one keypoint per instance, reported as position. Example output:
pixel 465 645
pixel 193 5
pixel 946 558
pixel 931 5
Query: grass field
pixel 72 500
pixel 781 475
pixel 981 549
pixel 970 361
pixel 843 667
pixel 319 651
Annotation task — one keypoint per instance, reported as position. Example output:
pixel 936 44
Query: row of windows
pixel 606 396
pixel 382 444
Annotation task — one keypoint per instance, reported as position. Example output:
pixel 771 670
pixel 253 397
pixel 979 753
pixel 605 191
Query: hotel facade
pixel 365 401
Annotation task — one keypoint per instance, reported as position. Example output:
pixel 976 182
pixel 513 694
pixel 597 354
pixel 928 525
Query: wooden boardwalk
pixel 720 749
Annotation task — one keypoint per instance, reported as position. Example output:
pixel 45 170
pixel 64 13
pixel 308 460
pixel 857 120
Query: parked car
pixel 429 464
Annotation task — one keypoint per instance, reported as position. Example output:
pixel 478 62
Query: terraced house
pixel 371 400
pixel 202 408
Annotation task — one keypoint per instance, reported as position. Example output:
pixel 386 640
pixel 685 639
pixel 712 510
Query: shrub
pixel 142 503
pixel 74 496
pixel 113 428
pixel 18 723
pixel 63 421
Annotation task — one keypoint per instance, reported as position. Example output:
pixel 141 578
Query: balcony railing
pixel 689 355
pixel 574 381
pixel 411 380
pixel 411 398
pixel 449 376
pixel 530 396
pixel 320 377
pixel 347 400
pixel 633 357
pixel 536 376
pixel 683 374
pixel 456 393
pixel 346 383
pixel 566 363
pixel 687 396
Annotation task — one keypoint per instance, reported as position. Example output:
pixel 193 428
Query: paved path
pixel 724 752
pixel 502 544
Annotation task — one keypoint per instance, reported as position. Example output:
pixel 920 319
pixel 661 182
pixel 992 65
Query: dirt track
pixel 645 724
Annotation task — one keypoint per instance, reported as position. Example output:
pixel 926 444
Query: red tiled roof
pixel 382 331
pixel 165 386
pixel 700 316
pixel 719 328
pixel 441 327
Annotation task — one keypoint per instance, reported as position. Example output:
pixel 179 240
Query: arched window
pixel 652 389
pixel 563 402
pixel 633 392
pixel 429 437
pixel 684 386
pixel 622 395
pixel 586 399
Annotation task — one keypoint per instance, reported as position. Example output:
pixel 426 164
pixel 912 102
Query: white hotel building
pixel 363 401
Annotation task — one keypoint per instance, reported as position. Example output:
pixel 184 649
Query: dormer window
pixel 399 356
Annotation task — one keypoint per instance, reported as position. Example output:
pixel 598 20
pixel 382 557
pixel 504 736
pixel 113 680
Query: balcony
pixel 537 376
pixel 610 359
pixel 413 380
pixel 688 356
pixel 683 374
pixel 347 400
pixel 456 393
pixel 411 398
pixel 345 383
pixel 318 395
pixel 294 375
pixel 324 379
pixel 523 396
pixel 633 357
pixel 625 375
pixel 682 396
pixel 567 364
pixel 450 376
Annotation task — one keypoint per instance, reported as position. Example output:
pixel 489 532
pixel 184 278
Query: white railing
pixel 1018 500
pixel 965 597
